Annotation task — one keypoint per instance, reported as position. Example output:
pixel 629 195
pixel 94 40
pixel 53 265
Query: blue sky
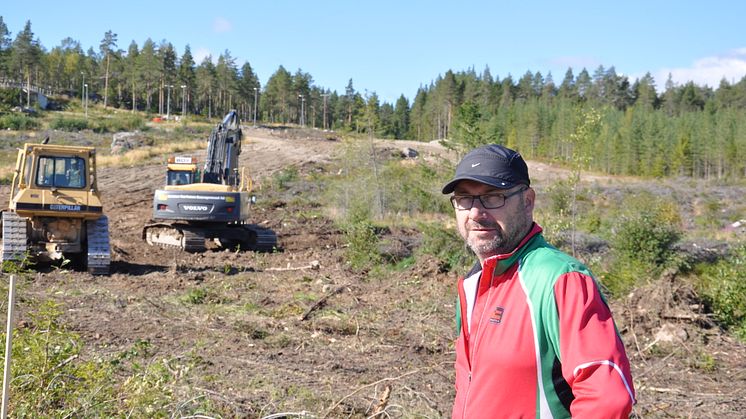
pixel 394 47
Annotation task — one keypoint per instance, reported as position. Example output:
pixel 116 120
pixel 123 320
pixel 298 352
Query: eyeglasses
pixel 488 201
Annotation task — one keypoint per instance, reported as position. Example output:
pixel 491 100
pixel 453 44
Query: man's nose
pixel 477 210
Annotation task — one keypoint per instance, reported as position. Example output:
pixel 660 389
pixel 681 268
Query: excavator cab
pixel 55 209
pixel 182 170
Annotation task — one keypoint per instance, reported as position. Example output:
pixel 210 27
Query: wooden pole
pixel 8 346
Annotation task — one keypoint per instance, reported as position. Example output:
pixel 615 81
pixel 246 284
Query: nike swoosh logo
pixel 475 164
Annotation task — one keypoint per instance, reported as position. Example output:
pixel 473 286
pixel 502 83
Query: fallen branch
pixel 314 265
pixel 302 414
pixel 373 384
pixel 62 364
pixel 663 390
pixel 321 302
pixel 382 403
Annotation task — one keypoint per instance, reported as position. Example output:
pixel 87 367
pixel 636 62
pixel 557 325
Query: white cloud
pixel 707 71
pixel 221 25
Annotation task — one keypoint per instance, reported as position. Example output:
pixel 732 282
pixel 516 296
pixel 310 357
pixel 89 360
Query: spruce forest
pixel 677 130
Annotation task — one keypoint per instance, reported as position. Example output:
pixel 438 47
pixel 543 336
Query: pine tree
pixel 25 56
pixel 5 44
pixel 567 89
pixel 226 76
pixel 186 77
pixel 206 86
pixel 248 86
pixel 133 72
pixel 107 48
pixel 149 67
pixel 277 96
pixel 167 74
pixel 401 118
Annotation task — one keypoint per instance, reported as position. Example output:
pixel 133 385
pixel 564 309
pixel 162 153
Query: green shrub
pixel 646 238
pixel 68 124
pixel 723 286
pixel 560 197
pixel 196 296
pixel 18 122
pixel 360 233
pixel 447 246
pixel 282 178
pixel 642 242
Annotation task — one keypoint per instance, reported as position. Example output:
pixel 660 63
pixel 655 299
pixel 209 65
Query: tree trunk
pixel 28 87
pixel 134 99
pixel 106 81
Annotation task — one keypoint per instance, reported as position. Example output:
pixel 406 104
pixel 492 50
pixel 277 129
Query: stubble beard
pixel 502 242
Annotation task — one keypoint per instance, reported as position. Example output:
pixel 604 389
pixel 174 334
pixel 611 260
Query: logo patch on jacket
pixel 497 315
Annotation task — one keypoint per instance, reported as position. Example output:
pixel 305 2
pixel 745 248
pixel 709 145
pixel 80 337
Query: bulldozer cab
pixel 55 179
pixel 61 172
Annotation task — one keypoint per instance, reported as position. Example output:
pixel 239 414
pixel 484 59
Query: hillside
pixel 245 334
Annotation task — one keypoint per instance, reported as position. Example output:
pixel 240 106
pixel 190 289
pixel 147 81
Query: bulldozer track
pixel 15 237
pixel 99 250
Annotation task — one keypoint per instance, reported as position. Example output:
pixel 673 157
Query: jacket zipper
pixel 476 338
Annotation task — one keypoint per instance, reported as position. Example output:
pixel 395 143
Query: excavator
pixel 55 211
pixel 209 205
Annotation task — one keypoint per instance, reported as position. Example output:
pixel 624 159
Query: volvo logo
pixel 200 208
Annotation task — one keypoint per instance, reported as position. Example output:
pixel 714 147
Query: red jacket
pixel 541 341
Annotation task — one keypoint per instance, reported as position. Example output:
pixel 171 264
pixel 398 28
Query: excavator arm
pixel 221 163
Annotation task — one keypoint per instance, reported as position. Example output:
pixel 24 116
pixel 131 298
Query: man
pixel 73 175
pixel 536 336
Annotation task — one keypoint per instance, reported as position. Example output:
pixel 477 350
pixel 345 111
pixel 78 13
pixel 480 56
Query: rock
pixel 409 153
pixel 671 333
pixel 125 141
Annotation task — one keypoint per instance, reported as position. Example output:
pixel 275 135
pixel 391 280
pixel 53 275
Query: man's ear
pixel 529 198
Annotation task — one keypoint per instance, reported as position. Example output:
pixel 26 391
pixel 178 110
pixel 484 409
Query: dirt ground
pixel 299 331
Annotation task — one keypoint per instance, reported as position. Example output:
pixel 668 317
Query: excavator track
pixel 99 251
pixel 15 237
pixel 265 240
pixel 193 242
pixel 191 238
pixel 163 235
pixel 180 236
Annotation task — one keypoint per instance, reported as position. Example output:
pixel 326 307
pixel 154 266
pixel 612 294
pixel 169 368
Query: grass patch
pixel 145 154
pixel 51 379
pixel 18 122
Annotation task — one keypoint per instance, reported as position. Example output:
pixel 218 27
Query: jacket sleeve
pixel 594 362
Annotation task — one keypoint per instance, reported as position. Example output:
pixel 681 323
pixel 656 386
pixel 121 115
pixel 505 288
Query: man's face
pixel 489 232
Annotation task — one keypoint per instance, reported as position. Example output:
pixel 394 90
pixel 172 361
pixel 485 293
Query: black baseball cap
pixel 493 165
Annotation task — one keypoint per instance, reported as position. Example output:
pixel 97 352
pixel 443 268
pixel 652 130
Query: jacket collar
pixel 501 262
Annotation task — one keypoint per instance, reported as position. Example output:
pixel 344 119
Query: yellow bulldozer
pixel 55 211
